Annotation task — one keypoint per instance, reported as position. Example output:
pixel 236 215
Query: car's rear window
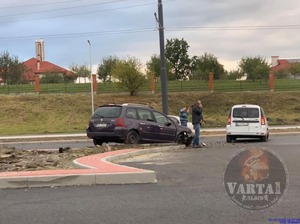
pixel 107 112
pixel 246 112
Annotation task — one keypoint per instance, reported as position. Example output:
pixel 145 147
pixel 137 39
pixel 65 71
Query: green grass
pixel 70 113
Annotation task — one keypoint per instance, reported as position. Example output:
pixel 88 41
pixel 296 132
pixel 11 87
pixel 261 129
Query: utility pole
pixel 163 76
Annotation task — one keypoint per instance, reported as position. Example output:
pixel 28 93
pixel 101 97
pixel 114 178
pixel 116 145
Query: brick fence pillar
pixel 211 82
pixel 152 84
pixel 37 84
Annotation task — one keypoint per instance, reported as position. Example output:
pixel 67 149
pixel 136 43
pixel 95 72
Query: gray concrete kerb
pixel 93 178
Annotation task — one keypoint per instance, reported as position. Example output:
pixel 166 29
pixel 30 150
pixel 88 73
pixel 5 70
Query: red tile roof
pixel 44 67
pixel 282 64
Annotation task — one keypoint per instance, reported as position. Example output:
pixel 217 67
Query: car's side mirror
pixel 168 124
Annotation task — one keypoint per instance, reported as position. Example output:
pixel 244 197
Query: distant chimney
pixel 274 60
pixel 39 50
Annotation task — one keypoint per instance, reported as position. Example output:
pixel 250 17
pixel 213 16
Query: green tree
pixel 106 67
pixel 129 75
pixel 234 74
pixel 282 74
pixel 69 78
pixel 203 65
pixel 177 56
pixel 52 77
pixel 154 67
pixel 11 69
pixel 294 69
pixel 81 71
pixel 256 68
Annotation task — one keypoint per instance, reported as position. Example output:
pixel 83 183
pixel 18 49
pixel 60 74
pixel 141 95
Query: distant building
pixel 243 78
pixel 280 64
pixel 38 65
pixel 41 68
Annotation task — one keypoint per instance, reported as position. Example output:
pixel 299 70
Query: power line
pixel 67 35
pixel 151 29
pixel 218 28
pixel 42 4
pixel 61 9
pixel 81 13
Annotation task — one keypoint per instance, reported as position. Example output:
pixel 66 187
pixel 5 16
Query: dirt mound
pixel 12 159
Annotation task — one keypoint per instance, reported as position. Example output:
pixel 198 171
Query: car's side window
pixel 174 120
pixel 160 118
pixel 131 113
pixel 144 115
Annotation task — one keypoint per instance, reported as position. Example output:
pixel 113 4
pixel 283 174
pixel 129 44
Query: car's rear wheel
pixel 228 139
pixel 132 138
pixel 97 141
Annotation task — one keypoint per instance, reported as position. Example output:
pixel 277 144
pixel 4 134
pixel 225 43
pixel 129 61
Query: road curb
pixel 83 137
pixel 99 169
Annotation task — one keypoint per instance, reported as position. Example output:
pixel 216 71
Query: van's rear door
pixel 246 119
pixel 253 119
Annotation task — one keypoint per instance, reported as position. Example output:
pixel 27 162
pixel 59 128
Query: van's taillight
pixel 229 120
pixel 263 121
pixel 120 122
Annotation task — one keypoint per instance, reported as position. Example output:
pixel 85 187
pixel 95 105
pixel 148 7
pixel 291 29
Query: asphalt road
pixel 189 190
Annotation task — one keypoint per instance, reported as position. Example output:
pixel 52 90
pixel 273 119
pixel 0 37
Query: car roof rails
pixel 110 104
pixel 136 104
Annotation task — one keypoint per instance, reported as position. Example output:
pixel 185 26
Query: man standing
pixel 196 121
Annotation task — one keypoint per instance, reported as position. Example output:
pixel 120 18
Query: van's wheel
pixel 228 139
pixel 97 141
pixel 264 138
pixel 132 138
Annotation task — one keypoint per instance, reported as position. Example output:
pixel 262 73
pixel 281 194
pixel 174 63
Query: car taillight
pixel 120 122
pixel 263 121
pixel 229 120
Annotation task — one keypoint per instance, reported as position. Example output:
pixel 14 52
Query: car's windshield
pixel 246 112
pixel 107 112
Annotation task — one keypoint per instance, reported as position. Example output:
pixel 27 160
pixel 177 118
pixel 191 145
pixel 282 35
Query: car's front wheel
pixel 132 138
pixel 181 139
pixel 189 140
pixel 97 141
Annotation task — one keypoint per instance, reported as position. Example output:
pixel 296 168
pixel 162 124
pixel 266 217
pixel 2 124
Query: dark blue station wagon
pixel 133 124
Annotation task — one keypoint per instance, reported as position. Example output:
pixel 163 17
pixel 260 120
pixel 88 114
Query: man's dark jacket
pixel 196 114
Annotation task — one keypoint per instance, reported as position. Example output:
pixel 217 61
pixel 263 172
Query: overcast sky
pixel 229 29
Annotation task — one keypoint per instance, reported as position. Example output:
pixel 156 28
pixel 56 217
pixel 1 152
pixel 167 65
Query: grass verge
pixel 70 113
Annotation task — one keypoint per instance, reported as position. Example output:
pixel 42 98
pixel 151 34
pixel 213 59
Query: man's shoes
pixel 197 146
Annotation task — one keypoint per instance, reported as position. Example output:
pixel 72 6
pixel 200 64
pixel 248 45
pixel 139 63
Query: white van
pixel 247 121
